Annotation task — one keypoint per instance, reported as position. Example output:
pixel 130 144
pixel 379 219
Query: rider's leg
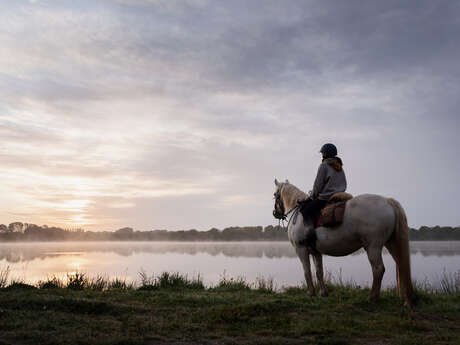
pixel 311 209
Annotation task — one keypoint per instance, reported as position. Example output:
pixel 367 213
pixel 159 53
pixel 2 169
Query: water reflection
pixel 36 261
pixel 23 252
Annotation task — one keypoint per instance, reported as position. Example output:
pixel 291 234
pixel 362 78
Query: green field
pixel 171 309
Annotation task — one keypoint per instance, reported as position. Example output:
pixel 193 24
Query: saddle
pixel 332 214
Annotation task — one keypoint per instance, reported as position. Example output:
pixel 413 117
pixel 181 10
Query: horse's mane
pixel 291 194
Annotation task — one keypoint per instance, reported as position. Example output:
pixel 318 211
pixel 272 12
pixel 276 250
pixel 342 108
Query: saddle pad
pixel 332 215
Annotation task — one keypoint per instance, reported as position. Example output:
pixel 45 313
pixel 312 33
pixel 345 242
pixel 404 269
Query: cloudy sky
pixel 179 114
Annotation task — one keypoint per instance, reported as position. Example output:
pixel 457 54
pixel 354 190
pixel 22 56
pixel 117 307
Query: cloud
pixel 197 105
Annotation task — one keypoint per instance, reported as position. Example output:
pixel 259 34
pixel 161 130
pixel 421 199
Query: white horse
pixel 370 222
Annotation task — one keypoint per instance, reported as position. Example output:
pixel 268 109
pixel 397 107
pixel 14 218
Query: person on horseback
pixel 369 221
pixel 330 179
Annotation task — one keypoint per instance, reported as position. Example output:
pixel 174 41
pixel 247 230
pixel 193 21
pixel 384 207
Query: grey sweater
pixel 330 179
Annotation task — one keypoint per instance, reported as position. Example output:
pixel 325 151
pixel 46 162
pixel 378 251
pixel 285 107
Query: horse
pixel 370 222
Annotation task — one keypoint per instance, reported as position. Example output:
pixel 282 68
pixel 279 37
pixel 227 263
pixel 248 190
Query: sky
pixel 168 114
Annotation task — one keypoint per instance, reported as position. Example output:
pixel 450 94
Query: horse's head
pixel 279 211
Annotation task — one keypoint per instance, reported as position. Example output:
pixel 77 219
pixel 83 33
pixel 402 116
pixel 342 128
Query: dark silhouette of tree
pixel 124 234
pixel 16 227
pixel 125 231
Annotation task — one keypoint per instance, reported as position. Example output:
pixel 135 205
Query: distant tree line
pixel 18 231
pixel 30 232
pixel 436 233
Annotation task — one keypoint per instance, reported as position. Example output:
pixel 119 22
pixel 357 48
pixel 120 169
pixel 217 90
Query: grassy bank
pixel 172 309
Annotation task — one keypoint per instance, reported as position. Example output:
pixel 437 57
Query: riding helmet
pixel 329 150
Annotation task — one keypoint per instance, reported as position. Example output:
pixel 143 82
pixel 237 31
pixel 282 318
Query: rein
pixel 290 211
pixel 281 220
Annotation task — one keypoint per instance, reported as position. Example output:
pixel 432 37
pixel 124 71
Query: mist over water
pixel 211 260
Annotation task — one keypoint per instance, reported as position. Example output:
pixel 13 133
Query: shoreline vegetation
pixel 21 232
pixel 171 308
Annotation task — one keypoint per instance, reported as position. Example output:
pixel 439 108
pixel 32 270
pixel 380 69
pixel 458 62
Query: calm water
pixel 277 260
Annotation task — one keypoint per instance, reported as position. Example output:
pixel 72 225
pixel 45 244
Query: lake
pixel 32 262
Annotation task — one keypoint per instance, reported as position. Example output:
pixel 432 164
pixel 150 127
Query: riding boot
pixel 310 239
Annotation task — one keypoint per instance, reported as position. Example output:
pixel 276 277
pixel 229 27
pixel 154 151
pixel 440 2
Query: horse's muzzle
pixel 277 215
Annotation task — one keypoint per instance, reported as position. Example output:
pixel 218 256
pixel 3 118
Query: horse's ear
pixel 276 182
pixel 287 181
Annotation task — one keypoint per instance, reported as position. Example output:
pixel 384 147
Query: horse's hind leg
pixel 392 248
pixel 302 253
pixel 374 255
pixel 318 259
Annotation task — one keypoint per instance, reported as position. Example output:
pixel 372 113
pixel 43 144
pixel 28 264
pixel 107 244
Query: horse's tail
pixel 398 246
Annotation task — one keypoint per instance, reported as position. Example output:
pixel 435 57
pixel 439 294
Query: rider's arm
pixel 319 181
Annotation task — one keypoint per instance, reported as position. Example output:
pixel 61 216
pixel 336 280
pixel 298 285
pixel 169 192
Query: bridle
pixel 280 205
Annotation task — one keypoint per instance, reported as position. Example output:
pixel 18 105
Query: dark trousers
pixel 311 208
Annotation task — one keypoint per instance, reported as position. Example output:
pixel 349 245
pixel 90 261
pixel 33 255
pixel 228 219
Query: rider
pixel 330 179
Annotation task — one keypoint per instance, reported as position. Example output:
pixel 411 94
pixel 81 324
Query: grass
pixel 450 282
pixel 166 280
pixel 232 284
pixel 171 308
pixel 4 275
pixel 51 283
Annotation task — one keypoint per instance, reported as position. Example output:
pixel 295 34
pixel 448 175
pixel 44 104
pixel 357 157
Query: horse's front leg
pixel 318 259
pixel 303 255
